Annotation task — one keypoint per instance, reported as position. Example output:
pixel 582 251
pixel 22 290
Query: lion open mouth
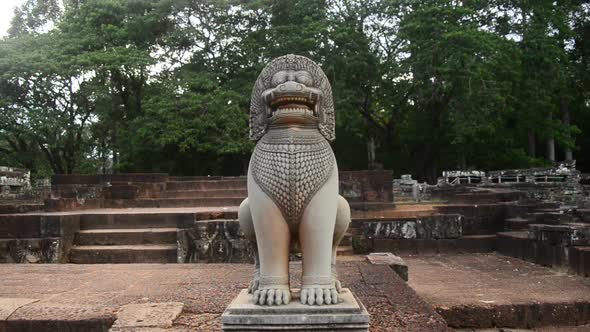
pixel 292 106
pixel 292 102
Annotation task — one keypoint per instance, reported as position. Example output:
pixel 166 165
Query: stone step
pixel 551 218
pixel 569 234
pixel 371 206
pixel 580 260
pixel 489 197
pixel 239 183
pixel 392 214
pixel 146 253
pixel 563 256
pixel 126 236
pixel 70 204
pixel 346 240
pixel 204 177
pixel 135 220
pixel 173 202
pixel 402 199
pixel 464 244
pixel 213 193
pixel 344 251
pixel 199 202
pixel 517 224
pixel 584 215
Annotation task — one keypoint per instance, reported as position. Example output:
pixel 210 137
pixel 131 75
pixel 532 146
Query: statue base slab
pixel 348 315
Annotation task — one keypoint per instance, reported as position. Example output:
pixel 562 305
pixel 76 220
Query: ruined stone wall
pixel 585 182
pixel 14 179
pixel 366 186
pixel 110 186
pixel 18 194
pixel 561 183
pixel 37 238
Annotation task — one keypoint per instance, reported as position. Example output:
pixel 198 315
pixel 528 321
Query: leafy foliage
pixel 162 85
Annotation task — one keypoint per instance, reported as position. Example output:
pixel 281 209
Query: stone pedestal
pixel 348 315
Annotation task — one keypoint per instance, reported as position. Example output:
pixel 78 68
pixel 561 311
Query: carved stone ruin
pixel 293 199
pixel 14 182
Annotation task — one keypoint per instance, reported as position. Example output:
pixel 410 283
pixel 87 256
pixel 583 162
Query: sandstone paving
pixel 479 289
pixel 144 315
pixel 95 293
pixel 9 305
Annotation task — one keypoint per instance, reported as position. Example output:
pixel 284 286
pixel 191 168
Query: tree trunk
pixel 462 160
pixel 566 119
pixel 532 144
pixel 551 149
pixel 550 142
pixel 371 152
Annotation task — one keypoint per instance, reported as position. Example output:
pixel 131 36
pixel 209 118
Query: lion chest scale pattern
pixel 290 166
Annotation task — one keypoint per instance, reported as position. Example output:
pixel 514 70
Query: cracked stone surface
pixel 96 292
pixel 157 315
pixel 10 305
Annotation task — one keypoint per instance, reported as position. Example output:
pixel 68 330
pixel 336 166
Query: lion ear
pixel 327 124
pixel 258 119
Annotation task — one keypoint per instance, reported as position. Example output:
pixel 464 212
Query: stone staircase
pixel 553 237
pixel 204 192
pixel 174 192
pixel 125 238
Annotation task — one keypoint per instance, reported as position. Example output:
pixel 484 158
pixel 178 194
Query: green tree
pixel 47 101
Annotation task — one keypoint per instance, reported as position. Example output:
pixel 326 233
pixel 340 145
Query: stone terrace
pixel 490 290
pixel 141 218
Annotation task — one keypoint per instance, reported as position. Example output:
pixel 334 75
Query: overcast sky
pixel 6 11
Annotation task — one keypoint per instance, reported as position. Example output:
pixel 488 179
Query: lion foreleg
pixel 316 234
pixel 273 240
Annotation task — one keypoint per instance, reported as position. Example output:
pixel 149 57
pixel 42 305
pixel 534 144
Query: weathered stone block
pixel 396 263
pixel 428 227
pixel 571 234
pixel 31 251
pixel 370 185
pixel 141 316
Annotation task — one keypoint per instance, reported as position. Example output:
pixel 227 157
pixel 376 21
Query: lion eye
pixel 304 77
pixel 279 78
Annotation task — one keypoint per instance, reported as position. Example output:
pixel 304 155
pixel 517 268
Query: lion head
pixel 292 89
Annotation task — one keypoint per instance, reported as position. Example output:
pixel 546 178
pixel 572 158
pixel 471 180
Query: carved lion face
pixel 292 99
pixel 291 89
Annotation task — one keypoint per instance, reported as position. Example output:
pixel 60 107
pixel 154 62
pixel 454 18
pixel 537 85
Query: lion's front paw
pixel 319 294
pixel 272 296
pixel 253 286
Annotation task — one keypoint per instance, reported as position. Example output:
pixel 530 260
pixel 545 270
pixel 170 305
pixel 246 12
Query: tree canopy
pixel 423 85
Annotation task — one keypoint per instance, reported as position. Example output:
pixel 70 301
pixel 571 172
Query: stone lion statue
pixel 293 183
